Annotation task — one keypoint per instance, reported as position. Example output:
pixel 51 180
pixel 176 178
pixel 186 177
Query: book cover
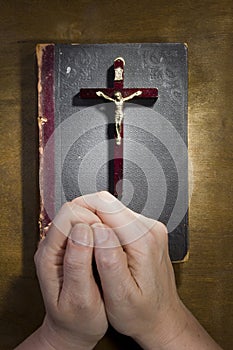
pixel 76 152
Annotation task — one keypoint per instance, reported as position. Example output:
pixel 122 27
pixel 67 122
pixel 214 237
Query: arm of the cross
pixel 146 92
pixel 125 92
pixel 135 94
pixel 91 93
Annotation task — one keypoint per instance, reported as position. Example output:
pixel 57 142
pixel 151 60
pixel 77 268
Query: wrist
pixel 170 325
pixel 178 330
pixel 52 338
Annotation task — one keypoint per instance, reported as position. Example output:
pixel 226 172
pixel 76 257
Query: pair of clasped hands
pixel 138 294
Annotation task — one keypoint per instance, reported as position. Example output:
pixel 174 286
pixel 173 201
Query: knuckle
pixel 38 255
pixel 40 261
pixel 66 207
pixel 107 261
pixel 105 195
pixel 63 212
pixel 36 260
pixel 74 266
pixel 69 262
pixel 161 228
pixel 42 257
pixel 160 234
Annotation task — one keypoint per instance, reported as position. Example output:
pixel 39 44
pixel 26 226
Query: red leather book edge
pixel 45 59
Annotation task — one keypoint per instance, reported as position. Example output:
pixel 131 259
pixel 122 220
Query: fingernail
pixel 81 234
pixel 101 233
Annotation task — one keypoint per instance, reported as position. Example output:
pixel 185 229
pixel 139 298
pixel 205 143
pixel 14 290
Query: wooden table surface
pixel 205 282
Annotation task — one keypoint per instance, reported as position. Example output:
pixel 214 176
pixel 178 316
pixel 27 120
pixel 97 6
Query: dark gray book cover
pixel 75 146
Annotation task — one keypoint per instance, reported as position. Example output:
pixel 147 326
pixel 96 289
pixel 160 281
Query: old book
pixel 76 154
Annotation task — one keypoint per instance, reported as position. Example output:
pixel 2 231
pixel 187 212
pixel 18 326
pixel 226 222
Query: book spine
pixel 45 59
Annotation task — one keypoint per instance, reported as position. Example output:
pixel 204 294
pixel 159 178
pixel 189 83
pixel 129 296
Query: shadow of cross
pixel 118 95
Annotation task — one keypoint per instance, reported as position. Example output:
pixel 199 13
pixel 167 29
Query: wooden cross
pixel 118 94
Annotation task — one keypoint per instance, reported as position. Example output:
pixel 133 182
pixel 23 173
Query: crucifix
pixel 118 95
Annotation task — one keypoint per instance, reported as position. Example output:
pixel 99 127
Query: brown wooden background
pixel 205 282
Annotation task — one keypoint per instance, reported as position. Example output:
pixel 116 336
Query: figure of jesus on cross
pixel 119 105
pixel 119 94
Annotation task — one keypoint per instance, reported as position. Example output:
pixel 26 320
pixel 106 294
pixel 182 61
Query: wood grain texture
pixel 205 282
